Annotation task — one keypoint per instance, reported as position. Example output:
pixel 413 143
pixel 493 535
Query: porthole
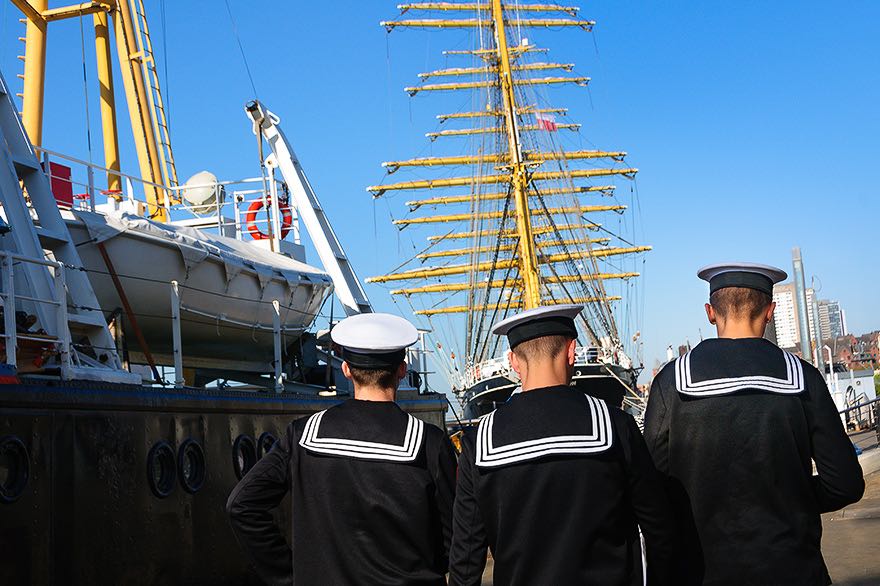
pixel 191 466
pixel 265 443
pixel 244 454
pixel 15 468
pixel 161 471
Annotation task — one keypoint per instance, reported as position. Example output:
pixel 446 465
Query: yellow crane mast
pixel 137 66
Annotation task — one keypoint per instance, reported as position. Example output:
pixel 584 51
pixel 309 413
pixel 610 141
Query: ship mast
pixel 523 207
pixel 528 269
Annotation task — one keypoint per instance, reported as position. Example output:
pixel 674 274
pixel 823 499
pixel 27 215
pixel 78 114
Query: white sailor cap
pixel 374 340
pixel 551 320
pixel 742 274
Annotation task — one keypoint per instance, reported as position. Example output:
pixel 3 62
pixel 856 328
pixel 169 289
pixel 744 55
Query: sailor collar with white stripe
pixel 767 360
pixel 407 451
pixel 599 439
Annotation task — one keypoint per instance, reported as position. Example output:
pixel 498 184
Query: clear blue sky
pixel 754 125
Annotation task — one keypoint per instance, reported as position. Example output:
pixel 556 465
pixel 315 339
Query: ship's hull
pixel 593 379
pixel 87 513
pixel 225 296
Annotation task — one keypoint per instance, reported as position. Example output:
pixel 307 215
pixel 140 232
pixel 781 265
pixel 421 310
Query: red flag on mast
pixel 547 122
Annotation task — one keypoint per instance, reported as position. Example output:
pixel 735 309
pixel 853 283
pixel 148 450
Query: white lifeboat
pixel 226 287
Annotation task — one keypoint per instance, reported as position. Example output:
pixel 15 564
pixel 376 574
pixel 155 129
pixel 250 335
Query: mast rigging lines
pixel 519 255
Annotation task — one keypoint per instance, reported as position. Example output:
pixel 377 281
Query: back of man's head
pixel 375 377
pixel 739 303
pixel 545 348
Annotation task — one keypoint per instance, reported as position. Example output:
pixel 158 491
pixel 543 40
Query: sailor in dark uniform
pixel 556 482
pixel 371 486
pixel 734 425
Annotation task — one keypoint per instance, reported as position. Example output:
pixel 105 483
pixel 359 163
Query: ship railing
pixel 417 361
pixel 861 413
pixel 589 355
pixel 242 208
pixel 12 301
pixel 78 180
pixel 488 369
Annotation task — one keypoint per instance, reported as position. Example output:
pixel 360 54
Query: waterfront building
pixel 786 321
pixel 831 322
pixel 785 317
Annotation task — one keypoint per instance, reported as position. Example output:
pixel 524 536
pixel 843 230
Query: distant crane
pixel 140 78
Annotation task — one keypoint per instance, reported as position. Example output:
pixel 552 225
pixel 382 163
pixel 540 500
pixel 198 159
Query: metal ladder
pixel 39 246
pixel 154 95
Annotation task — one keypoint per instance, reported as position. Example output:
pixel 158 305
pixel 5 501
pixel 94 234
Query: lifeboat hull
pixel 226 288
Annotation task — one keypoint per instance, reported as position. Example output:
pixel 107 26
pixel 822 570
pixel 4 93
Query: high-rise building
pixel 831 322
pixel 785 318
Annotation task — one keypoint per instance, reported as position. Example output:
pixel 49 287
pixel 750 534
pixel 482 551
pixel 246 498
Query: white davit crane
pixel 348 288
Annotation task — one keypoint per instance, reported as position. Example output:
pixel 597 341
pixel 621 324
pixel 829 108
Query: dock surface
pixel 852 535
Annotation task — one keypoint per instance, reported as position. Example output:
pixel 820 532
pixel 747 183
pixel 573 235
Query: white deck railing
pixel 10 301
pixel 227 217
pixel 494 367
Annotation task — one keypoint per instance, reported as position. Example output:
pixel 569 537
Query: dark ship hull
pixel 593 379
pixel 121 484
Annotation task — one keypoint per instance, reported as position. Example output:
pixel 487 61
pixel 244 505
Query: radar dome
pixel 203 193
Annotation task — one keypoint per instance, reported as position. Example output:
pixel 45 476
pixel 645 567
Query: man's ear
pixel 710 313
pixel 572 351
pixel 769 314
pixel 515 362
pixel 401 370
pixel 346 370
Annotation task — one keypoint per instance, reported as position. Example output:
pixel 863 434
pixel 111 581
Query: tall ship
pixel 157 334
pixel 511 210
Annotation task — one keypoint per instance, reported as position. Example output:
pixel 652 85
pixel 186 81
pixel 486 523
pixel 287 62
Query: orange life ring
pixel 251 217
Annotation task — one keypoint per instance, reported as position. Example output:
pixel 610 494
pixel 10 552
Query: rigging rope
pixel 241 49
pixel 82 43
pixel 474 351
pixel 165 65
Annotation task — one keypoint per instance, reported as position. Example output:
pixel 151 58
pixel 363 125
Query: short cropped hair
pixel 543 348
pixel 374 377
pixel 740 303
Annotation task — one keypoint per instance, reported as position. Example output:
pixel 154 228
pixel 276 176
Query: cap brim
pixel 709 272
pixel 570 311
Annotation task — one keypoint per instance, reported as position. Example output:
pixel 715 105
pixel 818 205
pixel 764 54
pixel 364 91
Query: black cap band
pixel 548 326
pixel 374 360
pixel 748 280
